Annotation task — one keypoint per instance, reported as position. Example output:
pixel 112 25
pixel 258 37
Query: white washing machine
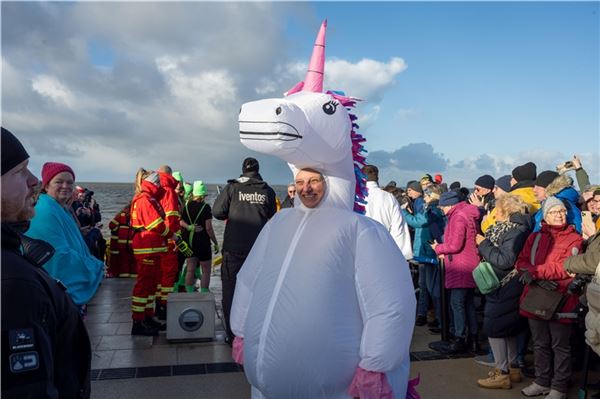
pixel 190 316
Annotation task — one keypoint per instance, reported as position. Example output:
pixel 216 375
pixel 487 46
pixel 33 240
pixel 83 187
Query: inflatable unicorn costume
pixel 324 304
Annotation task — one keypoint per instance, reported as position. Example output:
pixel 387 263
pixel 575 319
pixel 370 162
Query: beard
pixel 12 212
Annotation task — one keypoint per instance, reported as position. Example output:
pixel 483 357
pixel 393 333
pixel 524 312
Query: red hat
pixel 438 179
pixel 51 169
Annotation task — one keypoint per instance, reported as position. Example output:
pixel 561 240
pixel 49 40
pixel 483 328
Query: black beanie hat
pixel 13 152
pixel 250 165
pixel 485 181
pixel 415 185
pixel 525 172
pixel 455 185
pixel 545 178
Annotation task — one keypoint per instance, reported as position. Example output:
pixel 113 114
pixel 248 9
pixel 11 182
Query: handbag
pixel 541 302
pixel 485 277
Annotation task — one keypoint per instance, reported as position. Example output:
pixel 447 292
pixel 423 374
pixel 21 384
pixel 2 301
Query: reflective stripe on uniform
pixel 154 223
pixel 142 251
pixel 138 309
pixel 172 213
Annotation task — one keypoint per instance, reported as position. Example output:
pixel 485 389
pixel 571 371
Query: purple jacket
pixel 459 247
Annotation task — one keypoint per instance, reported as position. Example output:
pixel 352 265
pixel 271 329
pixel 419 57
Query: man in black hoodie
pixel 247 203
pixel 46 351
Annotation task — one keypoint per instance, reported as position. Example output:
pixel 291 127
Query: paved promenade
pixel 126 367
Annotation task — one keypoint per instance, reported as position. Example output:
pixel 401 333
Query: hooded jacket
pixel 459 246
pixel 556 244
pixel 147 220
pixel 247 203
pixel 562 188
pixel 169 201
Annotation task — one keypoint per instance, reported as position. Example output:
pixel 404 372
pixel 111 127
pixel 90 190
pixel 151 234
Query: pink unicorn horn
pixel 316 68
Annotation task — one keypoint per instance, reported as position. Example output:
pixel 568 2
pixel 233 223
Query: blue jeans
pixel 431 275
pixel 423 303
pixel 463 311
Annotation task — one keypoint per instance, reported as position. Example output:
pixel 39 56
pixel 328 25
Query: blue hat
pixel 504 182
pixel 449 198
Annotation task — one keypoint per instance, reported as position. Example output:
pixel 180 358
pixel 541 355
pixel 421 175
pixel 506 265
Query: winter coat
pixel 589 263
pixel 428 226
pixel 562 188
pixel 555 245
pixel 501 315
pixel 524 190
pixel 148 222
pixel 72 263
pixel 459 246
pixel 169 201
pixel 247 203
pixel 39 318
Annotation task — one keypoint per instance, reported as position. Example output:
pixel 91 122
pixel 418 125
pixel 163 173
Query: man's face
pixel 18 187
pixel 540 193
pixel 413 194
pixel 481 191
pixel 61 187
pixel 291 191
pixel 310 187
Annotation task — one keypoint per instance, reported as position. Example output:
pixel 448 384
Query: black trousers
pixel 232 263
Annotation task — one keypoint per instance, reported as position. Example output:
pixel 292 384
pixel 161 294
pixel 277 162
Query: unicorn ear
pixel 316 68
pixel 297 87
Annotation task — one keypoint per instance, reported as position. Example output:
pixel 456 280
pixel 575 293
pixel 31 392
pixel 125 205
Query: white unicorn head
pixel 310 129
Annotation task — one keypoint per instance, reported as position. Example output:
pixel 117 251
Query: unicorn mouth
pixel 268 131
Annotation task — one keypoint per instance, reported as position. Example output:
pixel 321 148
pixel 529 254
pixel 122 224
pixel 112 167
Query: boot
pixel 141 328
pixel 496 380
pixel 156 324
pixel 458 346
pixel 515 374
pixel 161 311
pixel 473 344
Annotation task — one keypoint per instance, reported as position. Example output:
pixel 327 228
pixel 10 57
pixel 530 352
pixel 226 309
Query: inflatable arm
pixel 387 301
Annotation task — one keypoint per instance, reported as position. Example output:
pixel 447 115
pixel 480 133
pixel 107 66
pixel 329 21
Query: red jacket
pixel 555 245
pixel 120 229
pixel 169 200
pixel 459 247
pixel 147 220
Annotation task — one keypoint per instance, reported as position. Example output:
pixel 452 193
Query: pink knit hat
pixel 51 169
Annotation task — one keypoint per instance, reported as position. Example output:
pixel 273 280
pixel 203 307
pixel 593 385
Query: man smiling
pixel 310 187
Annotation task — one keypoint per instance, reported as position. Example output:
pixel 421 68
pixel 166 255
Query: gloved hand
pixel 216 248
pixel 182 246
pixel 547 284
pixel 526 277
pixel 579 282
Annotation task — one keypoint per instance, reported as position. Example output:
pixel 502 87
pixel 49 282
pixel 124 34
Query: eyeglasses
pixel 315 181
pixel 558 212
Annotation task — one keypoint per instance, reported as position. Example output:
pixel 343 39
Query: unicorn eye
pixel 330 107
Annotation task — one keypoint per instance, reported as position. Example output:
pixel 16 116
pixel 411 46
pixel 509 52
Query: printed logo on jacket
pixel 253 198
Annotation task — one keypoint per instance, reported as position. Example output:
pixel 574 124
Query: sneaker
pixel 515 374
pixel 485 360
pixel 554 394
pixel 535 390
pixel 421 321
pixel 141 328
pixel 496 380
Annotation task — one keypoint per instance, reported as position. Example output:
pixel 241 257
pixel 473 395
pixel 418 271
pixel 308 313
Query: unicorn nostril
pixel 278 110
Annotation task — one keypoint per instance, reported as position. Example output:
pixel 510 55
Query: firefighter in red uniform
pixel 149 246
pixel 122 262
pixel 169 266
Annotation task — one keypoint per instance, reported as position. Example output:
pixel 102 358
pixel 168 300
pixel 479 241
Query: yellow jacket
pixel 526 194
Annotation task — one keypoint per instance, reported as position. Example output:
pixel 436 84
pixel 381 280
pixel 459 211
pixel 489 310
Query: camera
pixel 579 282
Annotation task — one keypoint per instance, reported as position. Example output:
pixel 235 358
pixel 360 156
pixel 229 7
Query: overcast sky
pixel 460 89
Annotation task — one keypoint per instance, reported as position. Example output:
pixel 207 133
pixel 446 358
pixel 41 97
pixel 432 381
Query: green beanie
pixel 177 176
pixel 199 188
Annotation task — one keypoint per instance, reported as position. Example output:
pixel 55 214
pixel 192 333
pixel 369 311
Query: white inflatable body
pixel 324 290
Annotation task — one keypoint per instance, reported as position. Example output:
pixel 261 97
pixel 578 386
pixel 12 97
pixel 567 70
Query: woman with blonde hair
pixel 502 323
pixel 196 220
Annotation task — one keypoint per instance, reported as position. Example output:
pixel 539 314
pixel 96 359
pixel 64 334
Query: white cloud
pixel 50 87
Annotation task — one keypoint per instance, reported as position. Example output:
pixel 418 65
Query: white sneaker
pixel 554 394
pixel 536 390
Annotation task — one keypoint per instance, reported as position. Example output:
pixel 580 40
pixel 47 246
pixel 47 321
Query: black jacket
pixel 247 203
pixel 287 202
pixel 46 350
pixel 501 314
